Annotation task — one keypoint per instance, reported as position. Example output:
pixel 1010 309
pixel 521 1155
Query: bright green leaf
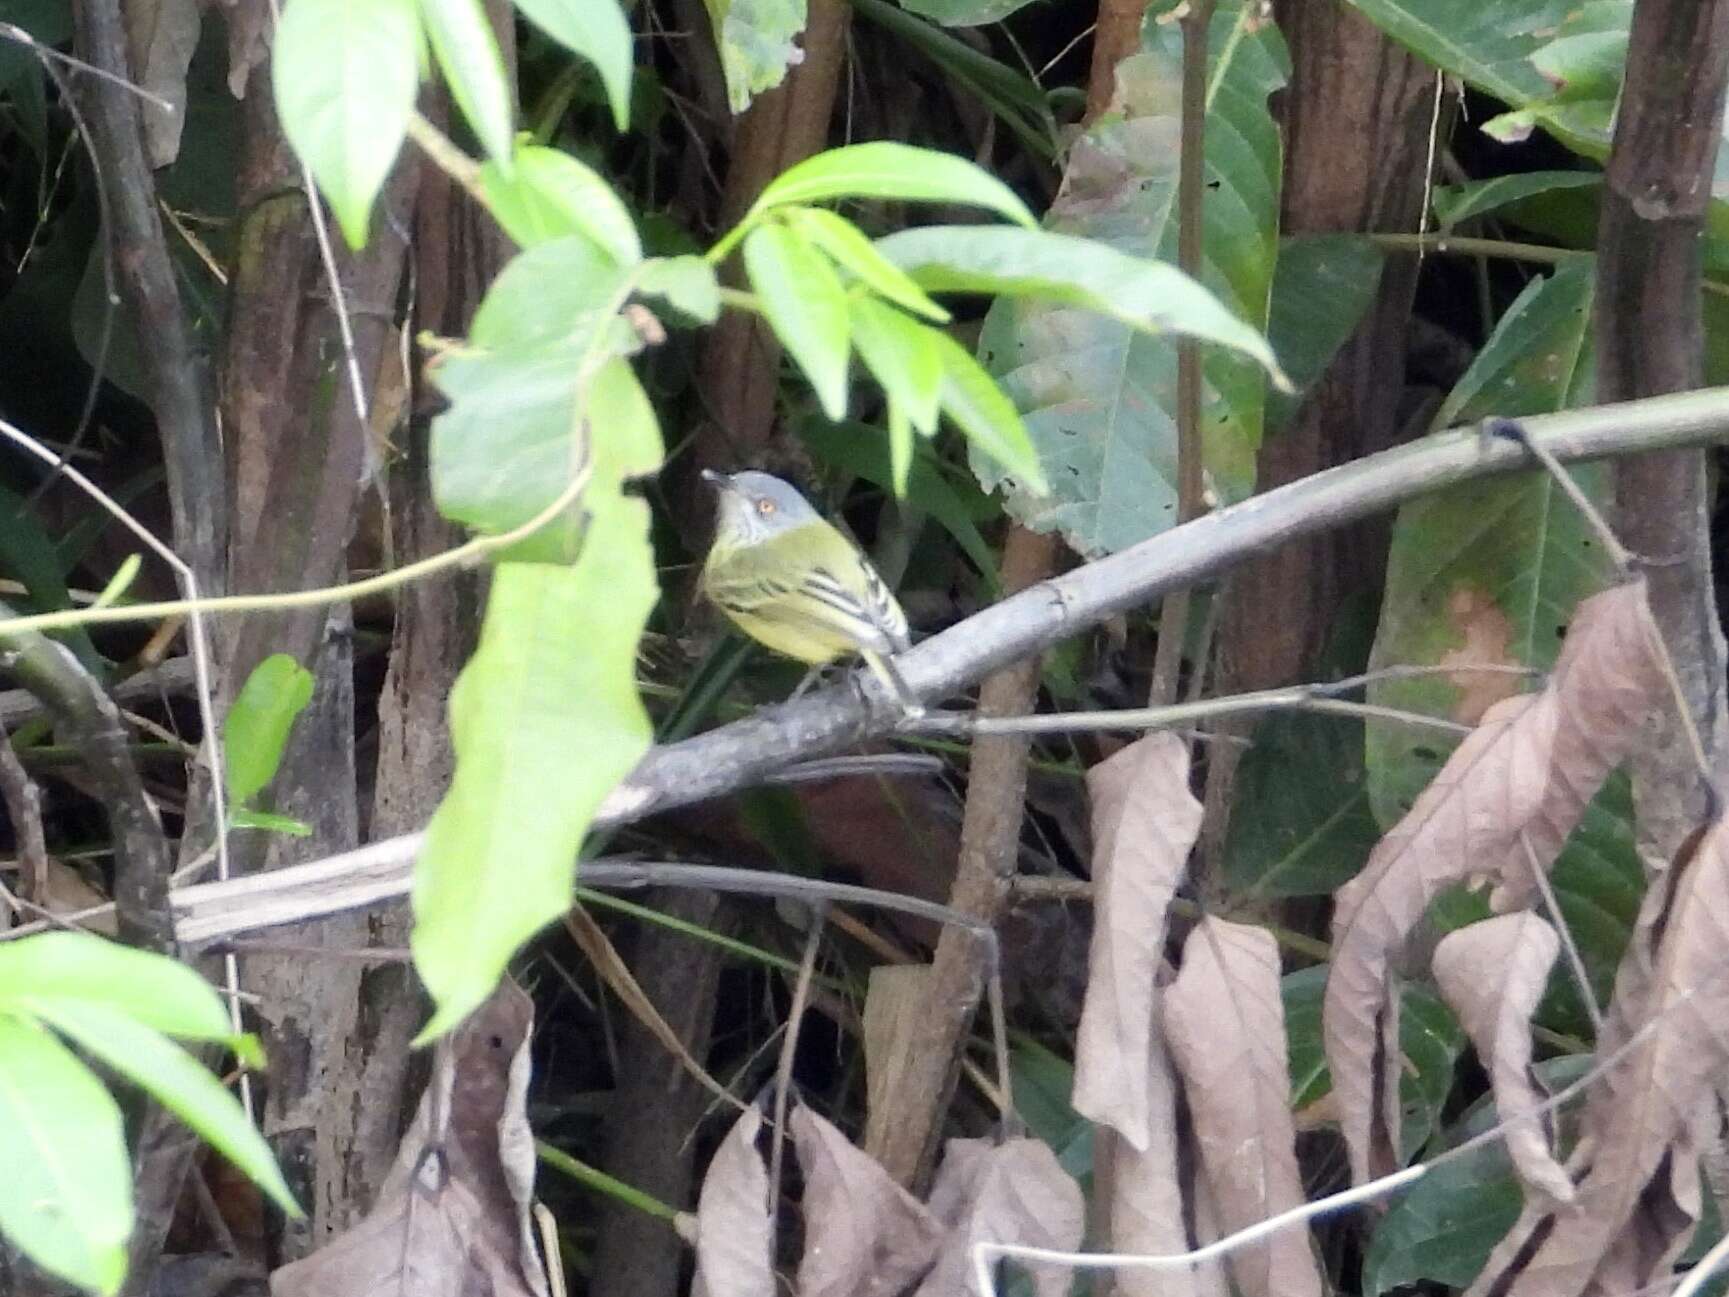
pixel 467 53
pixel 848 247
pixel 66 1195
pixel 175 1079
pixel 884 169
pixel 687 284
pixel 757 44
pixel 244 818
pixel 803 299
pixel 989 419
pixel 902 356
pixel 256 730
pixel 345 73
pixel 549 195
pixel 1070 271
pixel 600 33
pixel 546 720
pixel 157 991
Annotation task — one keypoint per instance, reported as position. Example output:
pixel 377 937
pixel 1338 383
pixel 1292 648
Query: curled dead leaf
pixel 734 1231
pixel 1145 822
pixel 1225 1021
pixel 1522 778
pixel 1492 974
pixel 1014 1192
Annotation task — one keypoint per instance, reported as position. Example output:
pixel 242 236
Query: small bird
pixel 793 583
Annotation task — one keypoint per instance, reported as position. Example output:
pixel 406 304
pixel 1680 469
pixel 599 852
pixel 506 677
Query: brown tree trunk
pixel 1650 340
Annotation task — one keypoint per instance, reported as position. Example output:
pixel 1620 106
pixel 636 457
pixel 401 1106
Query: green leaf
pixel 29 555
pixel 1042 1082
pixel 467 53
pixel 884 169
pixel 1444 1228
pixel 899 353
pixel 1322 286
pixel 66 1196
pixel 515 434
pixel 549 195
pixel 989 419
pixel 1492 573
pixel 1073 272
pixel 803 299
pixel 1429 1039
pixel 1309 828
pixel 1456 203
pixel 1097 391
pixel 956 508
pixel 345 73
pixel 75 967
pixel 757 44
pixel 599 32
pixel 259 722
pixel 176 1080
pixel 849 249
pixel 546 720
pixel 965 13
pixel 687 284
pixel 245 818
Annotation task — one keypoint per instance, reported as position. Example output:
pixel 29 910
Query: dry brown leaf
pixel 734 1231
pixel 1014 1192
pixel 452 1218
pixel 1144 824
pixel 160 38
pixel 865 1236
pixel 1529 770
pixel 1225 1023
pixel 1492 974
pixel 1638 1198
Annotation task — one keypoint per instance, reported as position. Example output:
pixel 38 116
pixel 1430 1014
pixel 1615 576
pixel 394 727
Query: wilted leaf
pixel 160 38
pixel 452 1218
pixel 863 1234
pixel 1007 1193
pixel 1225 1024
pixel 733 1225
pixel 1144 823
pixel 1524 776
pixel 1518 950
pixel 1645 1124
pixel 1099 396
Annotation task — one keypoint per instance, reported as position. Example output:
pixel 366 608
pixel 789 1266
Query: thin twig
pixel 789 1044
pixel 24 806
pixel 1575 961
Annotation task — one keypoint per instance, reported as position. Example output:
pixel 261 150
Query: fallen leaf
pixel 1144 823
pixel 1492 974
pixel 1521 779
pixel 734 1231
pixel 1225 1022
pixel 865 1236
pixel 452 1218
pixel 1014 1192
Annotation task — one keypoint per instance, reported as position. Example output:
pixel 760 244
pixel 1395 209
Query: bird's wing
pixel 820 603
pixel 871 602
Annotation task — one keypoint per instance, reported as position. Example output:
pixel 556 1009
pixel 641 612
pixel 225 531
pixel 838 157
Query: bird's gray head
pixel 754 506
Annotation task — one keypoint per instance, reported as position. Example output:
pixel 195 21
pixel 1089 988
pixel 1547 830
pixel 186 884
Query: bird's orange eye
pixel 765 506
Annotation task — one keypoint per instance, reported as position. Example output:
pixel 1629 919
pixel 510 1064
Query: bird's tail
pixel 883 668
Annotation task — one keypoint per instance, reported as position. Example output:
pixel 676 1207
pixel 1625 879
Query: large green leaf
pixel 1430 1040
pixel 1488 573
pixel 345 74
pixel 550 195
pixel 597 30
pixel 1455 203
pixel 546 720
pixel 468 54
pixel 1098 395
pixel 66 1195
pixel 757 44
pixel 886 169
pixel 1321 287
pixel 514 437
pixel 804 300
pixel 256 729
pixel 176 1080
